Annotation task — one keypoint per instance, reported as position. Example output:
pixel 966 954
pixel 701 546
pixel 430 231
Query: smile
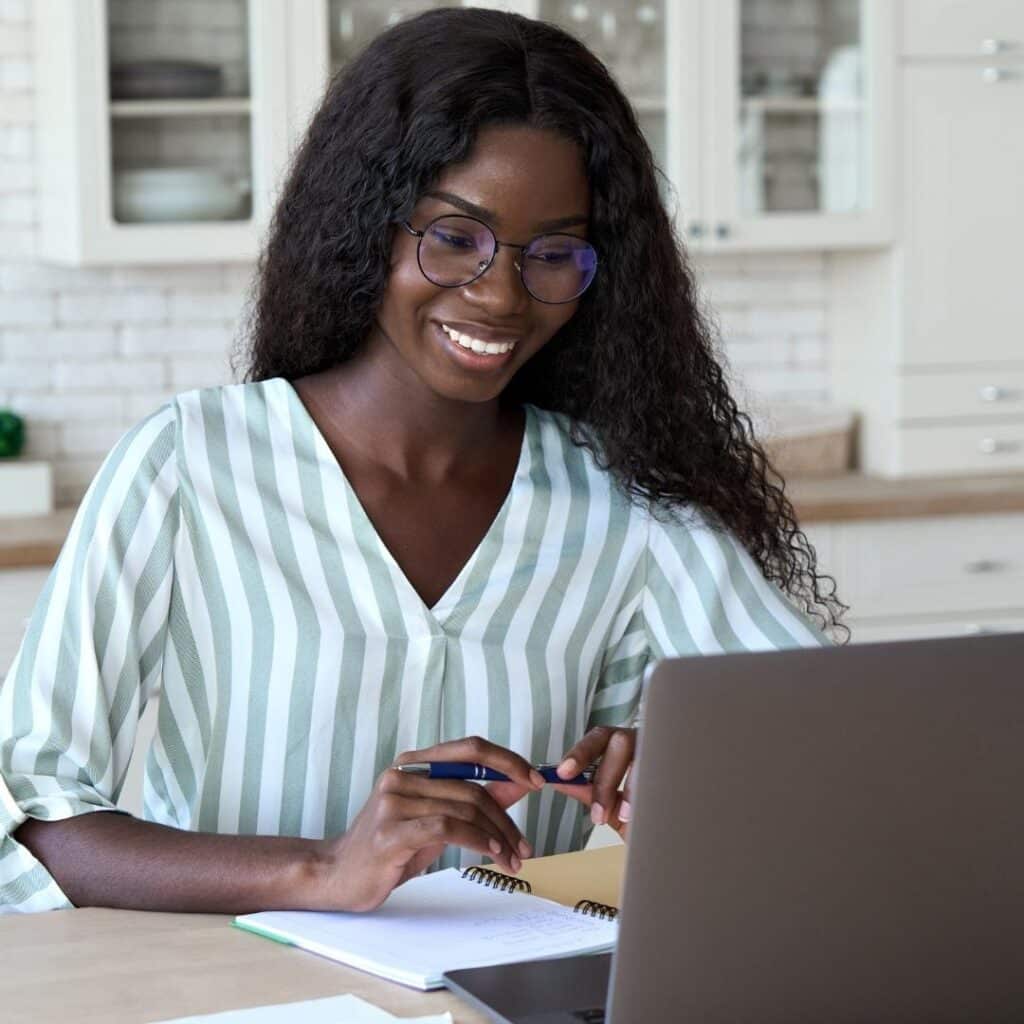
pixel 491 348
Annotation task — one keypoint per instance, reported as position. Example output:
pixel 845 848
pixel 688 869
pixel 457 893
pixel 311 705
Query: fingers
pixel 476 750
pixel 614 749
pixel 475 817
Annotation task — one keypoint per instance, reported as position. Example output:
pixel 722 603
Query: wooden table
pixel 124 967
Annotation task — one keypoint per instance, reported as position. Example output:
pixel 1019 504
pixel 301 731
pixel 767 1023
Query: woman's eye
pixel 552 257
pixel 455 241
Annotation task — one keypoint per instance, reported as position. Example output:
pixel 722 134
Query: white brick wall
pixel 86 353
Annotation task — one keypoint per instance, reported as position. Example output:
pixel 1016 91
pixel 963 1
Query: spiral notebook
pixel 443 922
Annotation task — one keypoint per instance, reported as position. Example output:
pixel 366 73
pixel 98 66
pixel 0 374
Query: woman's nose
pixel 500 289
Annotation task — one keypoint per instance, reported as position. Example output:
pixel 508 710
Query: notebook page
pixel 437 923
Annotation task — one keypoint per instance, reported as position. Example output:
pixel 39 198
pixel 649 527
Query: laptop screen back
pixel 832 834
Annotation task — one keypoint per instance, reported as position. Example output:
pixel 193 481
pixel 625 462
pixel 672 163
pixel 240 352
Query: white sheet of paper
pixel 347 1009
pixel 437 923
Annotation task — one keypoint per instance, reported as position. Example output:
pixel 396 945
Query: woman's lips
pixel 478 362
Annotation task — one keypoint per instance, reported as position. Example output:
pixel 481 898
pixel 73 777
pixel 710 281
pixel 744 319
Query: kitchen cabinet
pixel 141 162
pixel 927 335
pixel 796 103
pixel 961 28
pixel 770 118
pixel 927 576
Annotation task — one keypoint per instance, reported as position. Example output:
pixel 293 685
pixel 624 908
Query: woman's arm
pixel 104 859
pixel 110 859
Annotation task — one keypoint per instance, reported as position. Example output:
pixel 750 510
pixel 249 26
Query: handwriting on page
pixel 527 928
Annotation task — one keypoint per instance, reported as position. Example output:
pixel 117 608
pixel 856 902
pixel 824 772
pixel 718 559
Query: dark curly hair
pixel 635 368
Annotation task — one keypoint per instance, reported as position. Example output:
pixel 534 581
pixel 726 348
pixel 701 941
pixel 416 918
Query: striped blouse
pixel 221 560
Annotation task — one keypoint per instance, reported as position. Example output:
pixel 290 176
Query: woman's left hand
pixel 614 749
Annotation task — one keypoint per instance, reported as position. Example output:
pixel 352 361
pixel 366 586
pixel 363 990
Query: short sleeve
pixel 705 594
pixel 91 657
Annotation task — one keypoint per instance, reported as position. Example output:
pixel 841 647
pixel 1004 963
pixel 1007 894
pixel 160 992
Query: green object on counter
pixel 12 434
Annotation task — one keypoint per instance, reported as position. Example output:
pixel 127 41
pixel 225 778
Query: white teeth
pixel 476 345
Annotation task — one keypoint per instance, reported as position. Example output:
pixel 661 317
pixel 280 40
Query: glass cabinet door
pixel 180 111
pixel 794 97
pixel 629 38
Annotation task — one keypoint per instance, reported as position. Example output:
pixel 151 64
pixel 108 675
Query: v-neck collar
pixel 492 537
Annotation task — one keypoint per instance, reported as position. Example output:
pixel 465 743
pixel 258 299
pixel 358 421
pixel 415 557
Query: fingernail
pixel 516 863
pixel 625 811
pixel 569 768
pixel 495 846
pixel 525 850
pixel 536 778
pixel 597 814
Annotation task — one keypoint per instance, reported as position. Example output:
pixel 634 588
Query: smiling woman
pixel 484 473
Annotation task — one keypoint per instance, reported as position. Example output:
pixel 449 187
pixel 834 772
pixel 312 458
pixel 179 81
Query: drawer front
pixel 963 28
pixel 936 566
pixel 976 394
pixel 972 448
pixel 869 631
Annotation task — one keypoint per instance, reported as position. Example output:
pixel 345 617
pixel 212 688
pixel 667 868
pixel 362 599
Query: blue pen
pixel 481 773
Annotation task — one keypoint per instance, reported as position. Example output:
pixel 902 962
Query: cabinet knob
pixel 990 46
pixel 981 629
pixel 983 566
pixel 994 75
pixel 992 446
pixel 696 229
pixel 722 231
pixel 992 393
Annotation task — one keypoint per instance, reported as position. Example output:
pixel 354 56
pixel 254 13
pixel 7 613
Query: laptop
pixel 831 835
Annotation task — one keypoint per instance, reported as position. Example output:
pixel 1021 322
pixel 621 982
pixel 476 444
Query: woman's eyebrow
pixel 481 213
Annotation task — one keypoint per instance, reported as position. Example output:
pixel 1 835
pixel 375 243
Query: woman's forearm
pixel 104 859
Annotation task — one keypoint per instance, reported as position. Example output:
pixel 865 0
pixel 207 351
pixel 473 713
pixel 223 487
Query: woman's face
pixel 522 182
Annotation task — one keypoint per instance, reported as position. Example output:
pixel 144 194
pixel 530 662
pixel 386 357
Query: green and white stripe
pixel 221 560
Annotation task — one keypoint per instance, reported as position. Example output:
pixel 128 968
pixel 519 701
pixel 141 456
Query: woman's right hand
pixel 408 821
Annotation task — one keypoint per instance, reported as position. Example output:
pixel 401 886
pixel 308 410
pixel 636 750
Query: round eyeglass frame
pixel 497 246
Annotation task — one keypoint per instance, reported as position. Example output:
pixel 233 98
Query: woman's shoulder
pixel 226 402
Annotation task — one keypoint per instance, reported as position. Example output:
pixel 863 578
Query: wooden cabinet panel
pixel 964 162
pixel 962 28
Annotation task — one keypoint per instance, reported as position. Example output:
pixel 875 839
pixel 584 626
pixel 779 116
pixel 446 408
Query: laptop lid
pixel 831 834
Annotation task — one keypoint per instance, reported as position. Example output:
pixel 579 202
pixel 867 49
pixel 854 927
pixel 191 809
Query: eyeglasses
pixel 454 250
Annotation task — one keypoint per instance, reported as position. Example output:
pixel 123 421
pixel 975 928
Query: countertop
pixel 36 540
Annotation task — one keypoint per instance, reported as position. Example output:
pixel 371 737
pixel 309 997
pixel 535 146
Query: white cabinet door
pixel 963 169
pixel 962 28
pixel 798 105
pixel 868 631
pixel 131 175
pixel 19 589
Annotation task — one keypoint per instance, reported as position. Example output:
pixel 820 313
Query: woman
pixel 484 473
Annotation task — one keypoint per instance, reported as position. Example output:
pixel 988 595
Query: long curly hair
pixel 635 368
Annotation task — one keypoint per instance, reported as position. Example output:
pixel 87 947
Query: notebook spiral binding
pixel 496 880
pixel 595 909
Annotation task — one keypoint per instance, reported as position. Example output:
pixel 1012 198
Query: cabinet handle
pixel 992 446
pixel 981 629
pixel 995 75
pixel 990 46
pixel 993 393
pixel 722 231
pixel 984 566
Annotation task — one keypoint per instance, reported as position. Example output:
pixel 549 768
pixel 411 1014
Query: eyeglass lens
pixel 555 268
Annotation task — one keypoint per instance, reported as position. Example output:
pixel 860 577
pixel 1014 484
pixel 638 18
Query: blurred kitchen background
pixel 846 174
